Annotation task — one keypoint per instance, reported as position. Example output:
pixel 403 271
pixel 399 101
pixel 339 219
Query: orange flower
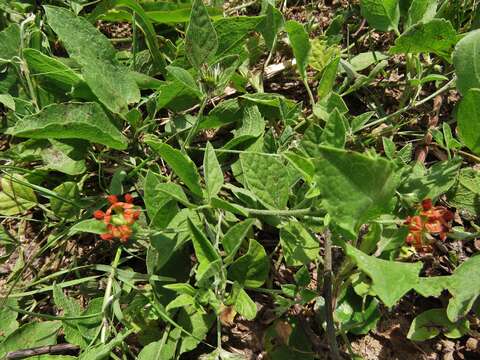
pixel 433 220
pixel 119 218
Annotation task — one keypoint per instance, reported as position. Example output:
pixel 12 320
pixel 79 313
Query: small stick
pixel 327 293
pixel 41 350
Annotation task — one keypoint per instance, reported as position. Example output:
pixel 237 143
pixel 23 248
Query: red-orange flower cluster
pixel 119 218
pixel 433 220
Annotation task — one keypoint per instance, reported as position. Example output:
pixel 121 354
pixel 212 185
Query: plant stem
pixel 193 129
pixel 108 293
pixel 327 293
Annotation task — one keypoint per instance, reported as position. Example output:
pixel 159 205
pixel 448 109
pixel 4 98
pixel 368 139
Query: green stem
pixel 194 128
pixel 108 293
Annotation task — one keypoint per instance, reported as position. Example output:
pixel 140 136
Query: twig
pixel 327 293
pixel 51 349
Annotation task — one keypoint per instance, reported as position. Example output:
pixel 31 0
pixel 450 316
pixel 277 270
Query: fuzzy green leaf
pixel 468 119
pixel 300 44
pixel 15 197
pixel 85 121
pixel 383 15
pixel 466 59
pixel 213 172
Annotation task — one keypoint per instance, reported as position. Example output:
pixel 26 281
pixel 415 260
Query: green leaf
pixel 201 41
pixel 9 42
pixel 468 119
pixel 213 171
pixel 233 239
pixel 85 121
pixel 267 177
pixel 366 59
pixel 65 156
pixel 243 304
pixel 66 210
pixel 233 32
pixel 92 226
pixel 437 180
pixel 432 322
pixel 391 280
pixel 251 270
pixel 55 75
pixel 298 245
pixel 204 250
pixel 383 15
pixel 15 197
pixel 8 318
pixel 180 163
pixel 369 182
pixel 436 36
pixel 328 78
pixel 102 351
pixel 161 207
pixel 107 78
pixel 465 194
pixel 272 24
pixel 8 101
pixel 31 335
pixel 463 289
pixel 421 10
pixel 334 133
pixel 185 78
pixel 300 44
pixel 467 62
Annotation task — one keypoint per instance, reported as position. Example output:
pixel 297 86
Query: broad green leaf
pixel 267 177
pixel 180 163
pixel 253 123
pixel 468 119
pixel 391 280
pixel 300 44
pixel 213 172
pixel 465 194
pixel 251 270
pixel 70 308
pixel 8 318
pixel 157 350
pixel 466 60
pixel 55 75
pixel 334 133
pixel 92 226
pixel 161 207
pixel 185 78
pixel 430 183
pixel 366 59
pixel 243 304
pixel 8 101
pixel 85 121
pixel 204 250
pixel 30 335
pixel 107 78
pixel 328 78
pixel 302 164
pixel 196 323
pixel 432 322
pixel 233 32
pixel 178 13
pixel 298 245
pixel 421 10
pixel 65 156
pixel 15 197
pixel 382 15
pixel 9 42
pixel 369 182
pixel 464 290
pixel 66 210
pixel 234 237
pixel 436 36
pixel 272 24
pixel 201 41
